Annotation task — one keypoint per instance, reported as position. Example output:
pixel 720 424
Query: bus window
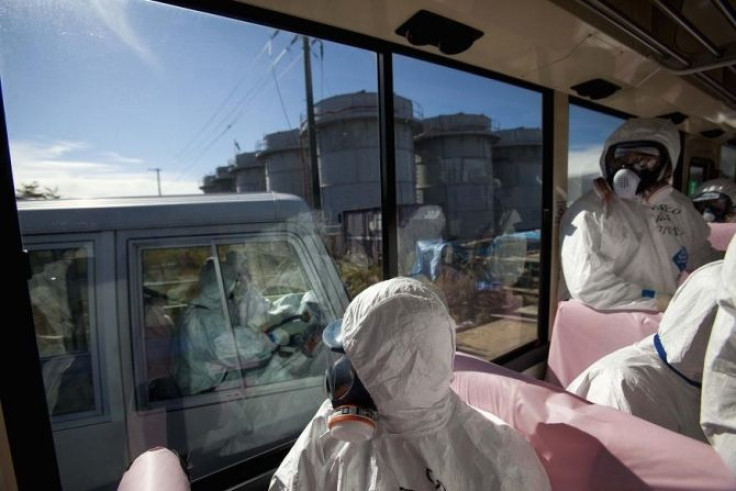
pixel 468 178
pixel 589 130
pixel 64 317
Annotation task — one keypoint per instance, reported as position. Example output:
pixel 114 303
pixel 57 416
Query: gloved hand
pixel 663 300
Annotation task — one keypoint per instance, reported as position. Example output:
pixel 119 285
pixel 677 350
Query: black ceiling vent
pixel 596 88
pixel 715 133
pixel 449 36
pixel 676 117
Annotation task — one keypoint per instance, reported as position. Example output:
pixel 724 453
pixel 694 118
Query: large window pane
pixel 588 132
pixel 469 168
pixel 131 99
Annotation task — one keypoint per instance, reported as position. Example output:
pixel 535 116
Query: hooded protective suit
pixel 629 253
pixel 400 340
pixel 661 384
pixel 718 403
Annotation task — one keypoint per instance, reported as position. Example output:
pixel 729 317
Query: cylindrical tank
pixel 517 164
pixel 349 152
pixel 455 171
pixel 222 181
pixel 286 161
pixel 250 173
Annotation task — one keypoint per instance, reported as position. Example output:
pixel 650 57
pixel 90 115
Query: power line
pixel 217 128
pixel 266 48
pixel 243 103
pixel 281 99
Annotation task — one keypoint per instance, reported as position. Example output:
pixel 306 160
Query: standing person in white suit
pixel 391 421
pixel 718 403
pixel 626 242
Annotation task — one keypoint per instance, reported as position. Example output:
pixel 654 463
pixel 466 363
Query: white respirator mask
pixel 625 183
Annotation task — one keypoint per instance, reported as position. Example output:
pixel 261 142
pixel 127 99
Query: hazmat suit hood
pixel 400 340
pixel 688 320
pixel 209 286
pixel 662 131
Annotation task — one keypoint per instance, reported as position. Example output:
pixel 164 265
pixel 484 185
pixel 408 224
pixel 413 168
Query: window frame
pixel 136 247
pixel 97 321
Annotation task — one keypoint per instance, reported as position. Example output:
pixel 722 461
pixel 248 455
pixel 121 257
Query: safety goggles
pixel 639 156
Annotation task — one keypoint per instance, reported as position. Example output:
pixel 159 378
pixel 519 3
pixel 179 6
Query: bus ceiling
pixel 667 56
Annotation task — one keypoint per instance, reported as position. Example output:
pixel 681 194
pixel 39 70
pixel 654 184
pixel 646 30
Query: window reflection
pixel 59 291
pixel 245 318
pixel 473 226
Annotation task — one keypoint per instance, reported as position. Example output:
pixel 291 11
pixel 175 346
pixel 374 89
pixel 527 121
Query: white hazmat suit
pixel 400 340
pixel 637 379
pixel 629 253
pixel 718 404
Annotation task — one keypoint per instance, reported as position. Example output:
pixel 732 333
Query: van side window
pixel 227 317
pixel 63 316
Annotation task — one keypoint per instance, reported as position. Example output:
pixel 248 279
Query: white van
pixel 191 322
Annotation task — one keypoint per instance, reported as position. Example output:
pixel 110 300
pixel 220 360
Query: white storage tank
pixel 455 171
pixel 517 163
pixel 250 173
pixel 349 153
pixel 286 161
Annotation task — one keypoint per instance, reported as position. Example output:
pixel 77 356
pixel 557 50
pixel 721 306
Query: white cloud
pixel 58 165
pixel 115 15
pixel 116 157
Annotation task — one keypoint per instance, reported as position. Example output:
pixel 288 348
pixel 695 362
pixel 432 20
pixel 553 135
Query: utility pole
pixel 316 191
pixel 157 170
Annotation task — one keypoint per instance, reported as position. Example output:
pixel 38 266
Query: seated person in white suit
pixel 659 378
pixel 391 420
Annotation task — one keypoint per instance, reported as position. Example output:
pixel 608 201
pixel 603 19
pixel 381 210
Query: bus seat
pixel 157 469
pixel 582 335
pixel 586 446
pixel 720 235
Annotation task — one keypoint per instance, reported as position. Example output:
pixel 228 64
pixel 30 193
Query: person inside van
pixel 626 243
pixel 210 352
pixel 391 420
pixel 659 378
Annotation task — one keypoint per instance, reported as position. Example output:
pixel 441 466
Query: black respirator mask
pixel 354 413
pixel 634 167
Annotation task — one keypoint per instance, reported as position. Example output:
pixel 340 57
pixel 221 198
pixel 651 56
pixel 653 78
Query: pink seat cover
pixel 582 335
pixel 158 469
pixel 721 234
pixel 588 447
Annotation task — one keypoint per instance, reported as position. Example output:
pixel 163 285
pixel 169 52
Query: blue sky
pixel 99 92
